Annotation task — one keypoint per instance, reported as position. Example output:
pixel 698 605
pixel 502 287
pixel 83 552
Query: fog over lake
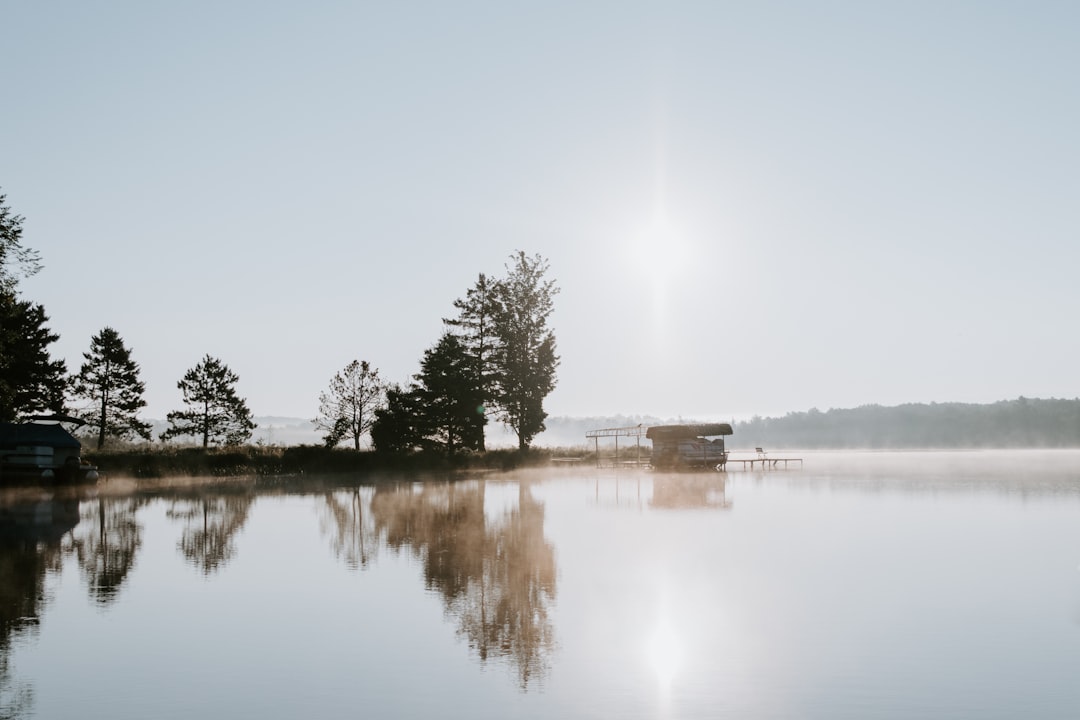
pixel 866 585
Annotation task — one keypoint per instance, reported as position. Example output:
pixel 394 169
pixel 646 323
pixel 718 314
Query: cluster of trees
pixel 496 359
pixel 1023 422
pixel 34 383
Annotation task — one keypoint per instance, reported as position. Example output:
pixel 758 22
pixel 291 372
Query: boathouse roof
pixel 20 434
pixel 676 432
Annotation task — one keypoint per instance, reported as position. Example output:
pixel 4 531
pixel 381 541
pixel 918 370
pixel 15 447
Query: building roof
pixel 676 432
pixel 15 434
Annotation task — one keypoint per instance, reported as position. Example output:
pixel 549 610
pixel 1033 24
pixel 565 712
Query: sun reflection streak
pixel 664 650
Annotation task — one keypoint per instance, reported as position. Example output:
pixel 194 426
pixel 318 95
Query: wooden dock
pixel 764 463
pixel 762 459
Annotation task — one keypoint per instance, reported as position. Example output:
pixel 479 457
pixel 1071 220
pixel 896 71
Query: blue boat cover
pixel 13 435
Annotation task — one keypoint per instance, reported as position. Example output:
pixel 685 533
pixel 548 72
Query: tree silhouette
pixel 110 380
pixel 398 426
pixel 348 409
pixel 475 325
pixel 525 354
pixel 30 381
pixel 450 403
pixel 15 259
pixel 216 413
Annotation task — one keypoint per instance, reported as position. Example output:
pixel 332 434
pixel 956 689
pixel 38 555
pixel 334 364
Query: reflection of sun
pixel 665 653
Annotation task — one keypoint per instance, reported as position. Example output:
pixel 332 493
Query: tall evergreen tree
pixel 399 424
pixel 30 381
pixel 449 400
pixel 525 353
pixel 348 409
pixel 475 325
pixel 215 412
pixel 110 380
pixel 15 260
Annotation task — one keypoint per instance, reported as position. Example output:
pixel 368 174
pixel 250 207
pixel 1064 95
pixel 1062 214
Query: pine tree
pixel 348 409
pixel 110 380
pixel 449 399
pixel 216 413
pixel 475 325
pixel 30 381
pixel 15 260
pixel 399 424
pixel 525 354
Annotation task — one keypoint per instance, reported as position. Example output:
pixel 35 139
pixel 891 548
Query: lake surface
pixel 866 585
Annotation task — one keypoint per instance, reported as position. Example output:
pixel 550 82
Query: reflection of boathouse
pixel 682 492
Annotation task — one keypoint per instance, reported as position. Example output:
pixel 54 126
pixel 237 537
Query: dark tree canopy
pixel 15 260
pixel 398 426
pixel 30 381
pixel 451 403
pixel 475 326
pixel 347 410
pixel 525 353
pixel 441 410
pixel 215 412
pixel 110 380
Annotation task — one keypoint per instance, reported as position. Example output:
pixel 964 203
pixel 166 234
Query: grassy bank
pixel 304 459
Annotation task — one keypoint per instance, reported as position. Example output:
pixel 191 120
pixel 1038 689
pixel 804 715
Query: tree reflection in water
pixel 352 533
pixel 496 574
pixel 30 533
pixel 211 525
pixel 106 544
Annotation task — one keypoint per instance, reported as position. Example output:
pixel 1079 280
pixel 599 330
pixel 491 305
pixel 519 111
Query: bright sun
pixel 659 253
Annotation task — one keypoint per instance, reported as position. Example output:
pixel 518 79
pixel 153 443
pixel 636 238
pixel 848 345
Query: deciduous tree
pixel 30 381
pixel 347 410
pixel 525 353
pixel 110 380
pixel 215 412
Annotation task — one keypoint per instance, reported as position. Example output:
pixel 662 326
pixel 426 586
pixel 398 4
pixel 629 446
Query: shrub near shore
pixel 256 460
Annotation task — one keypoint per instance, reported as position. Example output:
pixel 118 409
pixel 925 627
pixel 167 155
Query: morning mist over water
pixel 900 584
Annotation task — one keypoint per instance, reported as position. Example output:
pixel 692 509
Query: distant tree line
pixel 1020 423
pixel 496 359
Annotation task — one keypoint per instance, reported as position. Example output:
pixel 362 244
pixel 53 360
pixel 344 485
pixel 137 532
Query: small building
pixel 689 446
pixel 41 452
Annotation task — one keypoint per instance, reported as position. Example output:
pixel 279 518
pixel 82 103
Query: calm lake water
pixel 866 585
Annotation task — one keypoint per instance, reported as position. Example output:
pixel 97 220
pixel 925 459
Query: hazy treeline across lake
pixel 1023 422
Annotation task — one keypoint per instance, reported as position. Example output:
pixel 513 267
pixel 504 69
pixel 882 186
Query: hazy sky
pixel 750 207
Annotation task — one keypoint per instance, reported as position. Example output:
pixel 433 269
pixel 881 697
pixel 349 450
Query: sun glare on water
pixel 664 651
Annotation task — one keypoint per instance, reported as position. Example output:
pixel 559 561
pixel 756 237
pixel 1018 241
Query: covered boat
pixel 689 446
pixel 41 451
